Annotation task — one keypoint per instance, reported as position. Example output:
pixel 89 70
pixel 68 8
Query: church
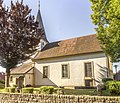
pixel 73 63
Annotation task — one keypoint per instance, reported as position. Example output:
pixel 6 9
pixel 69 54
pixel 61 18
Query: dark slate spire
pixel 40 23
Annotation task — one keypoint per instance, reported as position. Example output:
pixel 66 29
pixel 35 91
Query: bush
pixel 2 81
pixel 113 87
pixel 47 89
pixel 10 89
pixel 104 80
pixel 58 91
pixel 36 90
pixel 15 86
pixel 28 85
pixel 2 84
pixel 27 90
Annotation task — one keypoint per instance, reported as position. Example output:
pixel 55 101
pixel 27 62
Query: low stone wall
pixel 38 98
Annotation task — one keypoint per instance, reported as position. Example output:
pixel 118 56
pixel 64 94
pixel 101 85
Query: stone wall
pixel 38 98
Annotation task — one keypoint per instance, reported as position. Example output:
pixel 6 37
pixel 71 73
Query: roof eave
pixel 65 55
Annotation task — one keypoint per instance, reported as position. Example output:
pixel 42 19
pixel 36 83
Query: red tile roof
pixel 74 46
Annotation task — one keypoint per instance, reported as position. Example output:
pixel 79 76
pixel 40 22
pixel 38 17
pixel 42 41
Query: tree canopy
pixel 106 17
pixel 19 34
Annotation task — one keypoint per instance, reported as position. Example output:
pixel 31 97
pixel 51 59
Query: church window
pixel 65 71
pixel 88 83
pixel 45 71
pixel 88 69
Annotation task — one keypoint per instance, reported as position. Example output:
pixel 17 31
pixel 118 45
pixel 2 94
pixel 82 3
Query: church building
pixel 75 63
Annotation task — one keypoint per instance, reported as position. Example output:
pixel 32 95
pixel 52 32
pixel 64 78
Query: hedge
pixel 27 90
pixel 36 90
pixel 47 89
pixel 113 87
pixel 10 89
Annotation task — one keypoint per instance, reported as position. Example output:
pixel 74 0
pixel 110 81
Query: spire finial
pixel 39 4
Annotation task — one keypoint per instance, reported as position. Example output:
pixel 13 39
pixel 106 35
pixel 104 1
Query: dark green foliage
pixel 104 80
pixel 10 89
pixel 28 85
pixel 47 89
pixel 113 87
pixel 27 90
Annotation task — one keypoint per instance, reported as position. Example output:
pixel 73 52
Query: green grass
pixel 79 91
pixel 84 92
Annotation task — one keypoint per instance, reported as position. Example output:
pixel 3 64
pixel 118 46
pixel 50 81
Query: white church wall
pixel 76 67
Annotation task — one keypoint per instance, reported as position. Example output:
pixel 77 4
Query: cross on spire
pixel 39 5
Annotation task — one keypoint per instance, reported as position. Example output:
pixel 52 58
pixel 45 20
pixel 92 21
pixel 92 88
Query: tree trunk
pixel 7 76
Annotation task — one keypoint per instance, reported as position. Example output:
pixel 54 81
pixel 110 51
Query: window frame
pixel 89 81
pixel 89 77
pixel 45 76
pixel 68 71
pixel 91 69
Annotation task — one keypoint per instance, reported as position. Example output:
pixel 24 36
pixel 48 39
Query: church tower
pixel 43 40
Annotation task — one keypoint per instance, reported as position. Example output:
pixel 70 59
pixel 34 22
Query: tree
pixel 106 17
pixel 19 35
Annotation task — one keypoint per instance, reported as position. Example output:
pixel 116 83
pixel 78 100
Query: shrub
pixel 6 89
pixel 58 91
pixel 36 90
pixel 27 90
pixel 104 80
pixel 10 89
pixel 113 87
pixel 15 85
pixel 47 89
pixel 2 84
pixel 28 85
pixel 2 81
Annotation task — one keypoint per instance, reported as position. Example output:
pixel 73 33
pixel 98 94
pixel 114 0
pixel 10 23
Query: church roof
pixel 22 69
pixel 74 46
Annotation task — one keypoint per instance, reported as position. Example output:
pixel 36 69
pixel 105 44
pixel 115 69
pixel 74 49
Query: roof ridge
pixel 73 38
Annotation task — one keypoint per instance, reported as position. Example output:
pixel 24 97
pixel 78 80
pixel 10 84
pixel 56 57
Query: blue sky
pixel 63 19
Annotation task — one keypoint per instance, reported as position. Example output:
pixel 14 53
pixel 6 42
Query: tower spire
pixel 39 5
pixel 40 22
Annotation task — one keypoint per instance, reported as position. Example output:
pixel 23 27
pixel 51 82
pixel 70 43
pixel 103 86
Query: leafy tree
pixel 19 35
pixel 106 17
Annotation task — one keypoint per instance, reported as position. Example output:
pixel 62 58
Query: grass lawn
pixel 79 91
pixel 84 92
